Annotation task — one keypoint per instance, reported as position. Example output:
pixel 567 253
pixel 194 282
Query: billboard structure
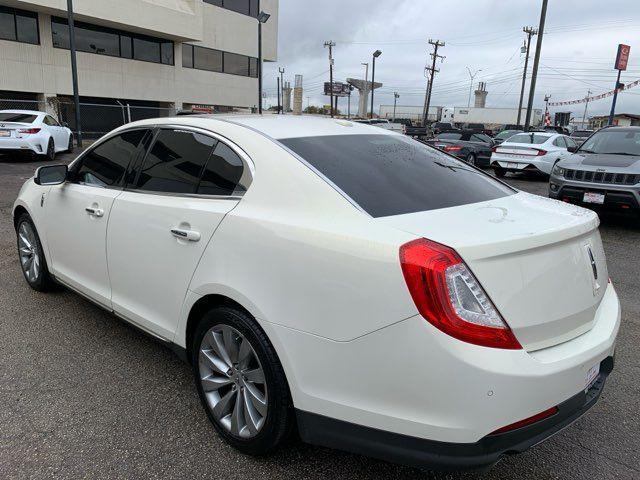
pixel 339 89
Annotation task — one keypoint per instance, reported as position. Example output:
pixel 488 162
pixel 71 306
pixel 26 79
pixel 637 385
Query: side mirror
pixel 51 175
pixel 572 149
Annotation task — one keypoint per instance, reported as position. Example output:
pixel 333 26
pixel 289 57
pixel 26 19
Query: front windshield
pixel 613 141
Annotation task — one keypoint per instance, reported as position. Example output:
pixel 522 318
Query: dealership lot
pixel 85 395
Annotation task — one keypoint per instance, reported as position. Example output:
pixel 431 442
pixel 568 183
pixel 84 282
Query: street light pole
pixel 471 84
pixel 396 95
pixel 281 90
pixel 376 54
pixel 262 18
pixel 74 71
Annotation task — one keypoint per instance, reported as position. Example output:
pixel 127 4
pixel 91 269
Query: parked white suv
pixel 33 132
pixel 371 291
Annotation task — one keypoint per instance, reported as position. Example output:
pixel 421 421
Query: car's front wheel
pixel 32 260
pixel 241 382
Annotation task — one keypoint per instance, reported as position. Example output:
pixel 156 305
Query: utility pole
pixel 349 101
pixel 436 44
pixel 376 54
pixel 396 95
pixel 278 83
pixel 530 31
pixel 586 105
pixel 536 61
pixel 281 90
pixel 546 110
pixel 330 44
pixel 74 72
pixel 471 84
pixel 366 87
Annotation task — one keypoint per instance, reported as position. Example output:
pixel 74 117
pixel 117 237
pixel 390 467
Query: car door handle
pixel 96 212
pixel 182 234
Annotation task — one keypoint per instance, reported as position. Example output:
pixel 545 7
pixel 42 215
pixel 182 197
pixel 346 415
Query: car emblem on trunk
pixel 591 259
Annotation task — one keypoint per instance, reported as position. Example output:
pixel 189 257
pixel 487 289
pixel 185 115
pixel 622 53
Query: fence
pixel 96 118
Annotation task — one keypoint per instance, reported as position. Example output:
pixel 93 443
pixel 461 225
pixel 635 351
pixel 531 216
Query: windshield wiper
pixel 622 153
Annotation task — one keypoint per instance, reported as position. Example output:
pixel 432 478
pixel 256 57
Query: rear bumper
pixel 27 144
pixel 521 165
pixel 433 455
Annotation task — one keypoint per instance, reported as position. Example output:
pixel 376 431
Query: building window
pixel 19 26
pixel 111 42
pixel 245 7
pixel 202 58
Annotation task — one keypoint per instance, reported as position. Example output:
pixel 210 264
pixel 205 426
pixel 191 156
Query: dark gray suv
pixel 604 171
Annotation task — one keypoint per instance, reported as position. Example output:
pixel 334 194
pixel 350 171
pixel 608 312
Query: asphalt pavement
pixel 84 395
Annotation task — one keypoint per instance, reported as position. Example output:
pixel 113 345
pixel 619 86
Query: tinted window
pixel 19 25
pixel 559 142
pixel 506 134
pixel 240 6
pixel 479 137
pixel 393 175
pixel 570 143
pixel 175 162
pixel 106 164
pixel 214 2
pixel 17 117
pixel 187 55
pixel 449 136
pixel 236 64
pixel 146 50
pixel 207 59
pixel 126 48
pixel 253 67
pixel 530 138
pixel 166 53
pixel 614 141
pixel 93 41
pixel 222 173
pixel 254 6
pixel 48 120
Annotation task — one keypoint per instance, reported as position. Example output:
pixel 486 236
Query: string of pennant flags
pixel 595 97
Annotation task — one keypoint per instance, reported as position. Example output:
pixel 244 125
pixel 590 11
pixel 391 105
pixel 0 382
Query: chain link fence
pixel 96 118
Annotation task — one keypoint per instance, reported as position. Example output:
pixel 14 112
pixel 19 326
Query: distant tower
pixel 481 95
pixel 297 96
pixel 286 97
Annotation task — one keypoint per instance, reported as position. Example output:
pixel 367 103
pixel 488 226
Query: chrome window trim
pixel 304 162
pixel 247 174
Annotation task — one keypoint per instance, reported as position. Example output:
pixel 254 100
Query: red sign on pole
pixel 623 57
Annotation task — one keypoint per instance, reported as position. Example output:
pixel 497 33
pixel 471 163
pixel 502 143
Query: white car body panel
pixel 324 281
pixel 37 142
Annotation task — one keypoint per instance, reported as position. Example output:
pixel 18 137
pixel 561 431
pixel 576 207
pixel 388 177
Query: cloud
pixel 577 54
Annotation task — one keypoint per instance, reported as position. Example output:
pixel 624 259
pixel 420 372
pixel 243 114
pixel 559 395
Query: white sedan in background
pixel 33 132
pixel 368 290
pixel 530 151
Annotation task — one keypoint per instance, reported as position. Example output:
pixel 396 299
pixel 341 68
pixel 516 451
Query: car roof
pixel 277 126
pixel 28 112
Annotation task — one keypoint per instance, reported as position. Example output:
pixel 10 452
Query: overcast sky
pixel 578 51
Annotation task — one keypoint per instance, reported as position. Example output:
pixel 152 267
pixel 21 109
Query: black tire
pixel 50 154
pixel 499 171
pixel 70 145
pixel 471 159
pixel 43 282
pixel 279 420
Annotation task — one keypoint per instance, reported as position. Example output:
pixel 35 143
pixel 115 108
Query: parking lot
pixel 84 395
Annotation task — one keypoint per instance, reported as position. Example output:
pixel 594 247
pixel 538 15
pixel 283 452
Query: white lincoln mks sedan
pixel 339 280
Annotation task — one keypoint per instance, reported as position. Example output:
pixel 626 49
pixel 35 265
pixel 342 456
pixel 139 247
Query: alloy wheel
pixel 29 255
pixel 233 381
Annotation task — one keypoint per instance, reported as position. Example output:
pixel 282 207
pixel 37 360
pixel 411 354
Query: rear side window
pixel 175 162
pixel 392 175
pixel 106 164
pixel 223 172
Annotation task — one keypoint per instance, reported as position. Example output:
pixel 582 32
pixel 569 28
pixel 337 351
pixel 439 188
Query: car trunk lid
pixel 540 261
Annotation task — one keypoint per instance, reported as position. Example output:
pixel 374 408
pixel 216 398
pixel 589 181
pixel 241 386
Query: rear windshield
pixel 450 136
pixel 531 138
pixel 612 141
pixel 506 134
pixel 581 134
pixel 392 175
pixel 17 117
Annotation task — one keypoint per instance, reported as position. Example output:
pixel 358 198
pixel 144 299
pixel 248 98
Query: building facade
pixel 142 54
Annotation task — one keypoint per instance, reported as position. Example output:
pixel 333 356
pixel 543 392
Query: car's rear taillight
pixel 493 149
pixel 448 295
pixel 452 148
pixel 540 152
pixel 527 421
pixel 28 131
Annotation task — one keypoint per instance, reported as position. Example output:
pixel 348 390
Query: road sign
pixel 623 56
